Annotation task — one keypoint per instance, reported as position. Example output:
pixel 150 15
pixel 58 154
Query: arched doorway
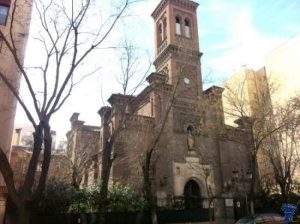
pixel 192 195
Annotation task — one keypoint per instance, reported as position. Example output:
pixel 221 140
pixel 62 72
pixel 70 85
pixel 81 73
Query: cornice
pixel 164 54
pixel 184 3
pixel 171 49
pixel 120 99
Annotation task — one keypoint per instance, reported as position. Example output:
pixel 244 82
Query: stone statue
pixel 190 138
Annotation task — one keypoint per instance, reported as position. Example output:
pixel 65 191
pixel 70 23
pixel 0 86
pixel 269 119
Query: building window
pixel 159 34
pixel 1 44
pixel 3 14
pixel 178 25
pixel 187 28
pixel 164 28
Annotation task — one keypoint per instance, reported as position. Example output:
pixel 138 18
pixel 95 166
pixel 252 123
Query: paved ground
pixel 220 222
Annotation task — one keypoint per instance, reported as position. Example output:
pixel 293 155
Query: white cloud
pixel 245 45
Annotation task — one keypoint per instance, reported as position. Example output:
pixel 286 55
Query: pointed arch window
pixel 159 33
pixel 187 28
pixel 164 29
pixel 178 25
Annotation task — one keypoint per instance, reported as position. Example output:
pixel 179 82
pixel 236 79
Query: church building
pixel 195 154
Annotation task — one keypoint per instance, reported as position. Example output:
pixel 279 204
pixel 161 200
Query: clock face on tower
pixel 186 81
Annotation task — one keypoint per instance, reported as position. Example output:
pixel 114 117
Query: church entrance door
pixel 192 195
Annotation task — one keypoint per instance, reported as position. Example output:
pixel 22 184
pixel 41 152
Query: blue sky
pixel 244 30
pixel 233 33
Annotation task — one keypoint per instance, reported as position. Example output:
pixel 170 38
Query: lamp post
pixel 240 177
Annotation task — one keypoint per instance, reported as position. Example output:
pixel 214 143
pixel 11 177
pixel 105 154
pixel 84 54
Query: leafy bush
pixel 56 199
pixel 124 199
pixel 60 198
pixel 83 201
pixel 273 203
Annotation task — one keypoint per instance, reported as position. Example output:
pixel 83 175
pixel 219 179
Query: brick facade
pixel 20 156
pixel 9 69
pixel 83 151
pixel 195 138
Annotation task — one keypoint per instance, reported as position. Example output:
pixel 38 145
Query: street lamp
pixel 241 177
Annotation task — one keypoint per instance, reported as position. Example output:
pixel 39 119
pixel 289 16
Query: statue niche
pixel 190 138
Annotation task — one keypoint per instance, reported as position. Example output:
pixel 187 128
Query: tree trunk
pixel 148 189
pixel 75 178
pixel 283 192
pixel 23 215
pixel 253 181
pixel 105 173
pixel 47 140
pixel 210 211
pixel 153 216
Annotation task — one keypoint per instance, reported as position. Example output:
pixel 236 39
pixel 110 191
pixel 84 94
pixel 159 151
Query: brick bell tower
pixel 177 46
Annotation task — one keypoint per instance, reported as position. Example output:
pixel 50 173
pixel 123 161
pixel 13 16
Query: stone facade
pixel 8 67
pixel 195 146
pixel 83 151
pixel 20 156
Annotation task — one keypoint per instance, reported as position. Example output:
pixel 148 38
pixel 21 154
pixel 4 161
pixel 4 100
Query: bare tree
pixel 67 44
pixel 248 102
pixel 80 165
pixel 151 152
pixel 284 151
pixel 132 76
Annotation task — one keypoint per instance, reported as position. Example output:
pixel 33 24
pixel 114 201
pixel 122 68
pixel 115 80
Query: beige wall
pixel 280 79
pixel 283 70
pixel 237 89
pixel 8 68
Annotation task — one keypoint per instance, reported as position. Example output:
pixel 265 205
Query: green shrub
pixel 267 203
pixel 82 201
pixel 56 199
pixel 124 199
pixel 60 198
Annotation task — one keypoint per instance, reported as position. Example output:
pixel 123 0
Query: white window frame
pixel 178 25
pixel 187 28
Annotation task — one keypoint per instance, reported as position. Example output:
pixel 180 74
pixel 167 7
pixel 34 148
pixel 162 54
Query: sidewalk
pixel 215 222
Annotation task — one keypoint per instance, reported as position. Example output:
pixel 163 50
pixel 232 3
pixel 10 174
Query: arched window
pixel 190 129
pixel 178 25
pixel 159 34
pixel 164 28
pixel 187 28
